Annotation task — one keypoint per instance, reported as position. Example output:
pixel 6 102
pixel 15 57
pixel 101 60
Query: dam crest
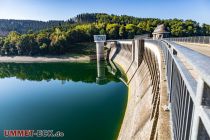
pixel 169 90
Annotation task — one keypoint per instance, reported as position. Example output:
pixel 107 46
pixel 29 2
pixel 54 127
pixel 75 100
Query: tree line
pixel 58 39
pixel 25 26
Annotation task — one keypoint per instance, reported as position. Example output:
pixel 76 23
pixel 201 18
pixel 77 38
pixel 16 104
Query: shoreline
pixel 41 59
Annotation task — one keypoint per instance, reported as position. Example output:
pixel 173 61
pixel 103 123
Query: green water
pixel 62 97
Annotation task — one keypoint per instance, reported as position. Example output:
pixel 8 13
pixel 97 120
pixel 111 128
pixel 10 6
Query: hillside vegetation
pixel 58 37
pixel 26 26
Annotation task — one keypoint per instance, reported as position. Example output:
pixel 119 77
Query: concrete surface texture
pixel 145 117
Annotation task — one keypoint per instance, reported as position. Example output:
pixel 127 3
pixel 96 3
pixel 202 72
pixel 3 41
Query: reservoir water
pixel 83 102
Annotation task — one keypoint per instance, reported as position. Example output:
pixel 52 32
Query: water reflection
pixel 95 72
pixel 101 77
pixel 83 100
pixel 117 71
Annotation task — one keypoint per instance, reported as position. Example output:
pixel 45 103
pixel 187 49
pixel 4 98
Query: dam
pixel 169 89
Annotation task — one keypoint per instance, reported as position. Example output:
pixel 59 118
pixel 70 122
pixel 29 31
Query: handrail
pixel 195 39
pixel 199 61
pixel 189 97
pixel 113 40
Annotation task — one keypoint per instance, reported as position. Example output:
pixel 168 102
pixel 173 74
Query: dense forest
pixel 57 37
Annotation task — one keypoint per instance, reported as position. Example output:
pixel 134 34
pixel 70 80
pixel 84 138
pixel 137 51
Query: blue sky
pixel 198 10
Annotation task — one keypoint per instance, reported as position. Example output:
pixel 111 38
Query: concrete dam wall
pixel 143 63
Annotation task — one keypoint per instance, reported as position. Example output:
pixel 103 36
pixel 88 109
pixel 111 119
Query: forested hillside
pixel 25 26
pixel 177 27
pixel 57 37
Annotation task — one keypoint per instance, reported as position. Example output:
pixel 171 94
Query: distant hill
pixel 28 37
pixel 106 18
pixel 177 27
pixel 24 26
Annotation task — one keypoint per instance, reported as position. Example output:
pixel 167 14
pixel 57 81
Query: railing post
pixel 209 40
pixel 197 104
pixel 171 78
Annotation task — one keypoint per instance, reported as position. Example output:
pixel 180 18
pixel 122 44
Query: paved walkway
pixel 201 48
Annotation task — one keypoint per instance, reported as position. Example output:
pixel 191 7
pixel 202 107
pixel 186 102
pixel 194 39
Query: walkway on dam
pixel 201 48
pixel 169 88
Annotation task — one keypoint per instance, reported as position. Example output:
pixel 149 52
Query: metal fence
pixel 189 97
pixel 196 39
pixel 144 36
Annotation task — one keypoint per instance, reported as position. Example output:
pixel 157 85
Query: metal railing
pixel 196 39
pixel 189 97
pixel 143 36
pixel 189 93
